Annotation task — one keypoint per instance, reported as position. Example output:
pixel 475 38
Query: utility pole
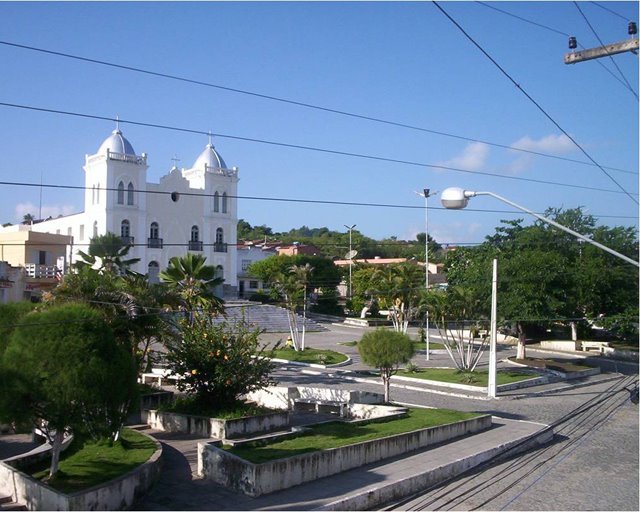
pixel 493 341
pixel 629 45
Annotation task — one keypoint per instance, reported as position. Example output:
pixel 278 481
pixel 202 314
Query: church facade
pixel 189 210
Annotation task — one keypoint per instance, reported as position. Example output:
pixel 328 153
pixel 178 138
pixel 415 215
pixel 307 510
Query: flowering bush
pixel 218 362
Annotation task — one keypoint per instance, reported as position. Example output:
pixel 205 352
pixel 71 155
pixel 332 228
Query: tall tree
pixel 72 377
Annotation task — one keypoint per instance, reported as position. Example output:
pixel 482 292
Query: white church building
pixel 190 209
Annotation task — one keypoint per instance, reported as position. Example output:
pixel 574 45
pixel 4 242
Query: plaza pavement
pixel 179 488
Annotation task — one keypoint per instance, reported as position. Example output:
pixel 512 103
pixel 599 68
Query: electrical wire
pixel 296 103
pixel 286 200
pixel 603 46
pixel 589 408
pixel 533 101
pixel 611 11
pixel 551 29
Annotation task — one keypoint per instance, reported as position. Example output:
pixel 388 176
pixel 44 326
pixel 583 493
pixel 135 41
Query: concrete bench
pixel 156 378
pixel 318 406
pixel 599 346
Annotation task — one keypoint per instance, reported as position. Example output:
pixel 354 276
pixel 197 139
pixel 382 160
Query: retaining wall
pixel 118 494
pixel 280 397
pixel 204 426
pixel 240 475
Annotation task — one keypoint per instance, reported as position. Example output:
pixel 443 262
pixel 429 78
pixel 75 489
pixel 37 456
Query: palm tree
pixel 293 289
pixel 194 282
pixel 28 218
pixel 107 253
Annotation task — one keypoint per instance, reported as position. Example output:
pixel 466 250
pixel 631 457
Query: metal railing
pixel 154 243
pixel 195 245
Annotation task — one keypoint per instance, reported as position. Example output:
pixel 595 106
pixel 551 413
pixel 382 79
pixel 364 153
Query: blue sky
pixel 399 61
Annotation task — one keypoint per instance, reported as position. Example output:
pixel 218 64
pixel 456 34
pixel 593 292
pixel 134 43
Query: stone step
pixel 7 503
pixel 267 317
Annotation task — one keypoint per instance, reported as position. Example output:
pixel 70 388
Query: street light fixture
pixel 456 198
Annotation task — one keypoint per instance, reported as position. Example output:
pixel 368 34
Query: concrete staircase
pixel 268 317
pixel 7 503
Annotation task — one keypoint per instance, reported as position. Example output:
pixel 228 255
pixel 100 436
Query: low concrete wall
pixel 118 494
pixel 280 397
pixel 204 426
pixel 257 479
pixel 148 401
pixel 561 345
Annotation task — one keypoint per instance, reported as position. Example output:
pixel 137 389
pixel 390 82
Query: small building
pixel 249 252
pixel 34 262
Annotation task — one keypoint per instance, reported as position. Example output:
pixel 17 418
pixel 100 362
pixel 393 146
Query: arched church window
pixel 216 202
pixel 125 229
pixel 154 230
pixel 152 272
pixel 225 202
pixel 219 236
pixel 121 193
pixel 195 234
pixel 130 194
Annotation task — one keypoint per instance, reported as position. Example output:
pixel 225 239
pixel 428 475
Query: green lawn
pixel 97 462
pixel 454 376
pixel 420 345
pixel 336 434
pixel 309 355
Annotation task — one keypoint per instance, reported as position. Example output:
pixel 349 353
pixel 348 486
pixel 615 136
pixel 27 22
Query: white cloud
pixel 47 210
pixel 455 232
pixel 551 144
pixel 472 158
pixel 554 144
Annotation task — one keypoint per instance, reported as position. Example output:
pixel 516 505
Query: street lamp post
pixel 350 228
pixel 426 193
pixel 456 198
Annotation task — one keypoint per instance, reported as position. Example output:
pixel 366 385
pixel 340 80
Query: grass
pixel 335 434
pixel 455 376
pixel 93 463
pixel 624 345
pixel 421 345
pixel 191 405
pixel 309 355
pixel 562 365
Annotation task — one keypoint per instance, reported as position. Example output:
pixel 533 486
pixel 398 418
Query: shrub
pixel 217 362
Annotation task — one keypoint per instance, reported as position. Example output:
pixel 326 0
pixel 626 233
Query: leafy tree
pixel 10 316
pixel 545 275
pixel 131 306
pixel 107 253
pixel 194 282
pixel 396 288
pixel 218 362
pixel 385 350
pixel 323 279
pixel 64 372
pixel 28 218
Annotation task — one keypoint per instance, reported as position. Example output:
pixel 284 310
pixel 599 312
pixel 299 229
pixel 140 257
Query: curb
pixel 372 499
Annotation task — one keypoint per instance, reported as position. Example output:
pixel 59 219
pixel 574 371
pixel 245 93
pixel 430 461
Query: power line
pixel 295 200
pixel 309 148
pixel 298 103
pixel 611 11
pixel 534 102
pixel 551 29
pixel 603 46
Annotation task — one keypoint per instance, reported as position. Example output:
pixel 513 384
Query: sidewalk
pixel 358 489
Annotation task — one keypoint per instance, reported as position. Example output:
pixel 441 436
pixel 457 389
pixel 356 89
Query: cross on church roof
pixel 175 160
